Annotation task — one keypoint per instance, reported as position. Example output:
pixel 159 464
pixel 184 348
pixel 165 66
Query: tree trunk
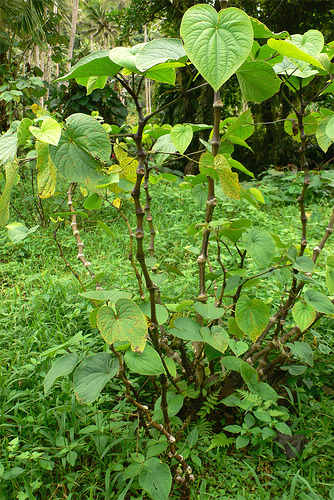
pixel 75 9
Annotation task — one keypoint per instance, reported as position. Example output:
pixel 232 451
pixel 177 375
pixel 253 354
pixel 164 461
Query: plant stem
pixel 210 203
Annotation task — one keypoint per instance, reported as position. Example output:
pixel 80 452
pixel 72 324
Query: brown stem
pixel 130 256
pixel 76 234
pixel 131 394
pixel 148 210
pixel 210 203
pixel 62 255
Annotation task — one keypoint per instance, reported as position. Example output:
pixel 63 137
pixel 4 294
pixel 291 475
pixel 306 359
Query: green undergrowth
pixel 54 447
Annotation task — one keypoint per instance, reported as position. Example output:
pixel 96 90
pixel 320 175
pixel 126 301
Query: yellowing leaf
pixel 127 164
pixel 117 202
pixel 46 171
pixel 229 180
pixel 128 324
pixel 11 177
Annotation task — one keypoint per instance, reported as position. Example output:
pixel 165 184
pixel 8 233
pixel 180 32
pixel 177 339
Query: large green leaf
pixel 303 314
pixel 291 50
pixel 46 171
pixel 147 362
pixel 95 64
pixel 260 245
pixel 60 368
pixel 161 312
pixel 319 301
pixel 187 329
pixel 163 73
pixel 156 479
pixel 262 31
pixel 8 147
pixel 93 374
pixel 127 323
pixel 181 136
pixel 241 126
pixel 84 144
pixel 216 43
pixel 159 51
pixel 23 132
pixel 49 132
pixel 11 179
pixel 258 81
pixel 252 316
pixel 330 274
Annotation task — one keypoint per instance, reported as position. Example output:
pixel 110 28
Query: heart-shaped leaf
pixel 128 324
pixel 49 132
pixel 217 43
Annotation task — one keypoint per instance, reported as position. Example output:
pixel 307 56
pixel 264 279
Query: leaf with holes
pixel 126 323
pixel 217 43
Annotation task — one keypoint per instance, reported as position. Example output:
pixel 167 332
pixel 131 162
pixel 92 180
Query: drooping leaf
pixel 147 362
pixel 93 373
pixel 319 301
pixel 262 31
pixel 11 179
pixel 60 368
pixel 252 316
pixel 95 64
pixel 181 136
pixel 46 171
pixel 258 81
pixel 159 51
pixel 156 479
pixel 128 324
pixel 303 314
pixel 49 132
pixel 216 43
pixel 163 73
pixel 330 274
pixel 260 245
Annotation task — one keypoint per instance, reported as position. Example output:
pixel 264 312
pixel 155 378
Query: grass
pixel 53 447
